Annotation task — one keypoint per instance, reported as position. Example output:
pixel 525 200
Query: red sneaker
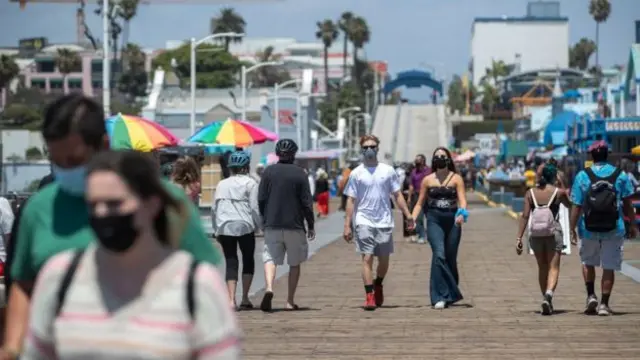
pixel 379 295
pixel 370 302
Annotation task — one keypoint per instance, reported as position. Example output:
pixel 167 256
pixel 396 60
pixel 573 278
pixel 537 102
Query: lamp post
pixel 352 124
pixel 243 83
pixel 106 60
pixel 276 104
pixel 341 112
pixel 194 45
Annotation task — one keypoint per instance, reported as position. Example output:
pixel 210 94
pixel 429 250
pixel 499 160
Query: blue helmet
pixel 239 159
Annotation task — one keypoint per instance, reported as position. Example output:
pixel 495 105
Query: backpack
pixel 73 266
pixel 543 222
pixel 600 206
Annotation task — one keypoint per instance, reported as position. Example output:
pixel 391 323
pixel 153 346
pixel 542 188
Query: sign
pixel 31 46
pixel 588 163
pixel 286 117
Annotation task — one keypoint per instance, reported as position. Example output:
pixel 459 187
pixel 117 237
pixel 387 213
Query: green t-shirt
pixel 53 221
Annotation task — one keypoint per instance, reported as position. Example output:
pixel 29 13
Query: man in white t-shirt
pixel 6 222
pixel 368 191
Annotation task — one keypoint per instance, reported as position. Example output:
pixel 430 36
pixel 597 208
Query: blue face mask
pixel 370 154
pixel 71 180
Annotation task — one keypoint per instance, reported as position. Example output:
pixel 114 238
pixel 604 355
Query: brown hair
pixel 142 176
pixel 369 137
pixel 185 171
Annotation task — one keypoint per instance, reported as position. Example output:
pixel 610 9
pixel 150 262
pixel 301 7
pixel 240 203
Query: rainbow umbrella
pixel 136 133
pixel 232 132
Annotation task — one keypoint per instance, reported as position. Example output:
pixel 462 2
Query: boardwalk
pixel 499 318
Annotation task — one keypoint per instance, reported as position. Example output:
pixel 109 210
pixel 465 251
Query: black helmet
pixel 286 147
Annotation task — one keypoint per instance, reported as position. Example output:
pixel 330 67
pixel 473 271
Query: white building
pixel 539 40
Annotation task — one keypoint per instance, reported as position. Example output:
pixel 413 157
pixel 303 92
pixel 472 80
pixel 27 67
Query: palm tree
pixel 267 76
pixel 228 20
pixel 327 32
pixel 8 71
pixel 497 70
pixel 127 10
pixel 600 11
pixel 344 23
pixel 67 61
pixel 359 35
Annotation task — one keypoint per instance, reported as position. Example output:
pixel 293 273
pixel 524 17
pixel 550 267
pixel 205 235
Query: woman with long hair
pixel 542 205
pixel 186 174
pixel 443 192
pixel 236 217
pixel 131 294
pixel 322 192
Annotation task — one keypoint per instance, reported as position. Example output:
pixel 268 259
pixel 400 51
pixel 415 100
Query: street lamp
pixel 194 45
pixel 353 128
pixel 341 112
pixel 276 103
pixel 243 83
pixel 106 60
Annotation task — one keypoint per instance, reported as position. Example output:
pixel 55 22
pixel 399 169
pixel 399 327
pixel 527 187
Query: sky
pixel 407 34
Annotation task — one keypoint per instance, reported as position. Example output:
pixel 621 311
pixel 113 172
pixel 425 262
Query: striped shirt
pixel 94 323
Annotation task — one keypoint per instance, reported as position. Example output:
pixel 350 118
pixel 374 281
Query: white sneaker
pixel 412 239
pixel 603 310
pixel 421 241
pixel 440 305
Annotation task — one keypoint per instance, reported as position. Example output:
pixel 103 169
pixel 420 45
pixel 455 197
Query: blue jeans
pixel 444 237
pixel 420 225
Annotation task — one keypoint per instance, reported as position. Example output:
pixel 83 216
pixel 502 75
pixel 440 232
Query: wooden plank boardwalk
pixel 499 318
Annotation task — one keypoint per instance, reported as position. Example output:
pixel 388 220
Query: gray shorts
pixel 374 241
pixel 278 242
pixel 547 244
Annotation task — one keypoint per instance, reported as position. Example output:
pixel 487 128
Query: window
pixel 75 83
pixel 46 65
pixel 96 84
pixel 56 83
pixel 38 83
pixel 96 66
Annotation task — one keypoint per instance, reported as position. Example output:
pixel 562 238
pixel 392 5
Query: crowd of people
pixel 103 216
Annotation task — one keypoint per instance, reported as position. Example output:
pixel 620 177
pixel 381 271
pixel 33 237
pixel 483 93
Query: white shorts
pixel 605 253
pixel 278 242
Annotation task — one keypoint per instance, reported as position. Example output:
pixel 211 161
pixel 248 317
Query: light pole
pixel 341 112
pixel 106 61
pixel 276 104
pixel 243 83
pixel 352 124
pixel 194 45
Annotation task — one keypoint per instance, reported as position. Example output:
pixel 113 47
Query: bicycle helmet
pixel 286 147
pixel 239 159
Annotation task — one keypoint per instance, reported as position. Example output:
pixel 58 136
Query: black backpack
pixel 73 266
pixel 601 203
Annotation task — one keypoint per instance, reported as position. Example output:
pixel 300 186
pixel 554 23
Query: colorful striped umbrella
pixel 136 133
pixel 232 132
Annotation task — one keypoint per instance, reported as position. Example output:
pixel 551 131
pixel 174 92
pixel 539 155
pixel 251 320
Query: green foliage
pixel 599 10
pixel 268 76
pixel 580 53
pixel 8 70
pixel 19 116
pixel 127 108
pixel 215 67
pixel 33 153
pixel 68 61
pixel 228 20
pixel 348 96
pixel 457 94
pixel 133 80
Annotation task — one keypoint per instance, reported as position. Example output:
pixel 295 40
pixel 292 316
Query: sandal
pixel 246 306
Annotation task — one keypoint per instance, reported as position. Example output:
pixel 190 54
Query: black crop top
pixel 442 197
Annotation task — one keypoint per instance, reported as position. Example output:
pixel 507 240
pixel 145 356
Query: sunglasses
pixel 367 147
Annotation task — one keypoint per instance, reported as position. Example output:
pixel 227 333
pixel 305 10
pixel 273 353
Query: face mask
pixel 71 180
pixel 440 162
pixel 116 233
pixel 370 154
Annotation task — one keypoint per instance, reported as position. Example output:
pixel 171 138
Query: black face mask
pixel 419 164
pixel 115 232
pixel 440 162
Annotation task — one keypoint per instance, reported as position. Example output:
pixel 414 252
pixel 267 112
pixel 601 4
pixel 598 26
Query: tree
pixel 327 32
pixel 33 153
pixel 490 97
pixel 267 76
pixel 344 23
pixel 228 20
pixel 133 80
pixel 360 35
pixel 8 71
pixel 215 68
pixel 497 70
pixel 580 53
pixel 127 10
pixel 67 61
pixel 21 116
pixel 348 96
pixel 600 11
pixel 457 94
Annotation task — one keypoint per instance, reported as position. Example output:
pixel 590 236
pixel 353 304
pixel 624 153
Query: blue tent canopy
pixel 413 79
pixel 554 133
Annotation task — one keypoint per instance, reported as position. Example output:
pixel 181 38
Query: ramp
pixel 406 130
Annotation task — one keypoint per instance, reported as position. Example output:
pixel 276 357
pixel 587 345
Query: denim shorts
pixel 602 250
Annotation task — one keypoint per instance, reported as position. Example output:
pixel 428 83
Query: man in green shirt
pixel 56 218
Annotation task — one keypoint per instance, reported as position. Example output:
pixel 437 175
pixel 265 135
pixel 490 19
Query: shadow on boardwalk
pixel 499 318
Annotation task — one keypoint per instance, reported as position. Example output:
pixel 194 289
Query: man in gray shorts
pixel 285 204
pixel 368 189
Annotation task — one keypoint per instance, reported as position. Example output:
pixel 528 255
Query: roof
pixel 176 100
pixel 508 19
pixel 549 73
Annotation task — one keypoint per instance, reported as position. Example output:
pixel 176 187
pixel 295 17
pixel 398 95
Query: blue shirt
pixel 579 190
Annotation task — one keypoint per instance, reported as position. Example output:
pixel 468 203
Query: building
pixel 297 56
pixel 539 40
pixel 38 68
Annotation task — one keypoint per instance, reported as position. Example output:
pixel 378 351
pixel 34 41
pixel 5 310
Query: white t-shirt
pixel 371 187
pixel 6 223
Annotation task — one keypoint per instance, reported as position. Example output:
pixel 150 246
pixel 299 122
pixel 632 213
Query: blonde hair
pixel 185 171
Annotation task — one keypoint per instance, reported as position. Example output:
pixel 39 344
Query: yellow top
pixel 530 177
